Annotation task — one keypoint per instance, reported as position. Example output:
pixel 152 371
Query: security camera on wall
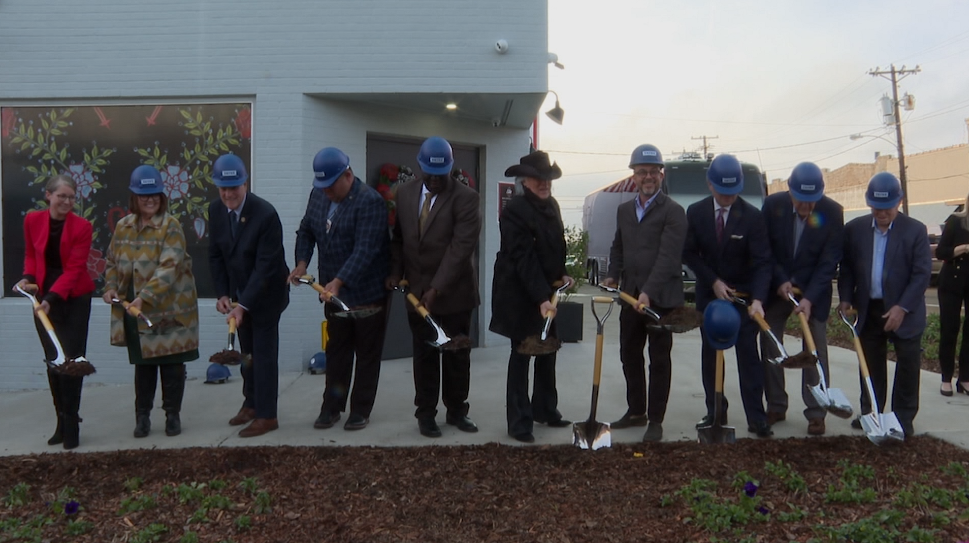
pixel 501 46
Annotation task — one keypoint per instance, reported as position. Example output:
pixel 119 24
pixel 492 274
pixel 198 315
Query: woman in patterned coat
pixel 149 266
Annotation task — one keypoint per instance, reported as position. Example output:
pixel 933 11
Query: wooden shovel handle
pixel 808 336
pixel 132 310
pixel 417 304
pixel 718 386
pixel 862 363
pixel 628 298
pixel 232 325
pixel 760 322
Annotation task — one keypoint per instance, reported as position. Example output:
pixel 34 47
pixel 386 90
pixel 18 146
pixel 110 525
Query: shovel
pixel 833 400
pixel 345 310
pixel 77 367
pixel 442 341
pixel 133 311
pixel 717 432
pixel 800 360
pixel 591 434
pixel 537 346
pixel 880 428
pixel 677 321
pixel 228 356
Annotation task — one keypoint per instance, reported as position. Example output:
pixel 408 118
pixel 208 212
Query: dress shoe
pixel 173 424
pixel 816 426
pixel 856 423
pixel 259 427
pixel 762 429
pixel 359 422
pixel 245 414
pixel 946 388
pixel 326 420
pixel 527 437
pixel 428 427
pixel 654 432
pixel 773 417
pixel 560 423
pixel 707 420
pixel 962 389
pixel 628 420
pixel 142 426
pixel 463 423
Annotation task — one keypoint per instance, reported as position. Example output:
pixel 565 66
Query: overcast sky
pixel 766 78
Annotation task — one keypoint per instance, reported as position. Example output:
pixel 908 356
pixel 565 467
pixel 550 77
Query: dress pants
pixel 259 337
pixel 633 338
pixel 447 372
pixel 908 365
pixel 774 383
pixel 521 411
pixel 749 367
pixel 362 338
pixel 951 301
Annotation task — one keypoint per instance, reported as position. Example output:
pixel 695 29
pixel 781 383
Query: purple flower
pixel 750 489
pixel 71 507
pixel 763 510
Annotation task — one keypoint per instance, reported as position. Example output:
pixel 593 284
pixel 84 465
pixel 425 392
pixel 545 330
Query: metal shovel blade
pixel 591 435
pixel 442 339
pixel 832 399
pixel 882 428
pixel 716 434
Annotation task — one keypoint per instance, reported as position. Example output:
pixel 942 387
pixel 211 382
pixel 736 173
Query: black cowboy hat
pixel 535 164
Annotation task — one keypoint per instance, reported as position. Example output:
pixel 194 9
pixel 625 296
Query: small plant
pixel 243 523
pixel 217 484
pixel 133 484
pixel 140 503
pixel 189 493
pixel 796 514
pixel 850 490
pixel 18 495
pixel 199 516
pixel 263 503
pixel 189 537
pixel 78 527
pixel 920 535
pixel 250 485
pixel 216 501
pixel 789 478
pixel 152 532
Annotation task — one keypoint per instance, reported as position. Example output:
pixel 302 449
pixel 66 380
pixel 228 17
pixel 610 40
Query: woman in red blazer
pixel 57 246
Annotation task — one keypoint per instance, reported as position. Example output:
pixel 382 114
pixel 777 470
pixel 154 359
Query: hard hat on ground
pixel 217 374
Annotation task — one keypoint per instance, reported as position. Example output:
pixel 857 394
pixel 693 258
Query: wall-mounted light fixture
pixel 557 114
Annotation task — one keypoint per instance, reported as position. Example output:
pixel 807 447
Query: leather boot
pixel 173 389
pixel 55 391
pixel 70 389
pixel 146 379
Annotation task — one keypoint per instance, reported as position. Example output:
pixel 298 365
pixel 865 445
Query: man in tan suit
pixel 435 236
pixel 646 256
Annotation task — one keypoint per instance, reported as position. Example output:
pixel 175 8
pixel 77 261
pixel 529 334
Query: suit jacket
pixel 531 258
pixel 905 275
pixel 955 269
pixel 75 248
pixel 742 261
pixel 647 255
pixel 250 269
pixel 443 258
pixel 355 248
pixel 818 252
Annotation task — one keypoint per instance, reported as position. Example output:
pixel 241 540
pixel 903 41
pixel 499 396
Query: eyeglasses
pixel 642 172
pixel 146 197
pixel 65 197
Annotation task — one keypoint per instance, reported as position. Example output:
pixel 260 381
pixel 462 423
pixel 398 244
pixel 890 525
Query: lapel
pixel 891 249
pixel 867 251
pixel 439 204
pixel 734 218
pixel 787 230
pixel 658 201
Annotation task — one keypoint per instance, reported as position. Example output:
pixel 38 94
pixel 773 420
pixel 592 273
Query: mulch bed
pixel 666 492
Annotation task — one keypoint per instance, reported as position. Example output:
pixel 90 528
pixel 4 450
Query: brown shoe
pixel 816 427
pixel 773 417
pixel 246 414
pixel 259 427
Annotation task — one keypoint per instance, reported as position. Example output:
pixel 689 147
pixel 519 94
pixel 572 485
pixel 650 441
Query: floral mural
pixel 99 147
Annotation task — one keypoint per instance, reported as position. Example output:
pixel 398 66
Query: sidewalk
pixel 108 411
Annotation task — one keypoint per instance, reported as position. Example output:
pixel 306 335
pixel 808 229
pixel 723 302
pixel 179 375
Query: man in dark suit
pixel 726 246
pixel 433 247
pixel 646 256
pixel 248 266
pixel 347 221
pixel 886 268
pixel 805 229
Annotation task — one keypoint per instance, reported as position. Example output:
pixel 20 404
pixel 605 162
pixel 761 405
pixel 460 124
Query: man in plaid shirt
pixel 347 221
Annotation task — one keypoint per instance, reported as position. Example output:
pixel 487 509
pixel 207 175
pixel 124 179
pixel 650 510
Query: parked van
pixel 685 183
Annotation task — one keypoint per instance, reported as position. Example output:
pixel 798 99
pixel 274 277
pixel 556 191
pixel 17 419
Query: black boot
pixel 146 379
pixel 173 389
pixel 55 391
pixel 70 388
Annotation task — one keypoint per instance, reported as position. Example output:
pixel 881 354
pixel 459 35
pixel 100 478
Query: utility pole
pixel 706 146
pixel 896 75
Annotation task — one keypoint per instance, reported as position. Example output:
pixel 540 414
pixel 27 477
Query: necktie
pixel 234 224
pixel 425 211
pixel 720 225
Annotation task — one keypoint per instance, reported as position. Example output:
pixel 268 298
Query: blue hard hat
pixel 721 324
pixel 726 175
pixel 328 165
pixel 318 362
pixel 229 171
pixel 146 180
pixel 217 374
pixel 806 182
pixel 436 156
pixel 884 191
pixel 646 154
